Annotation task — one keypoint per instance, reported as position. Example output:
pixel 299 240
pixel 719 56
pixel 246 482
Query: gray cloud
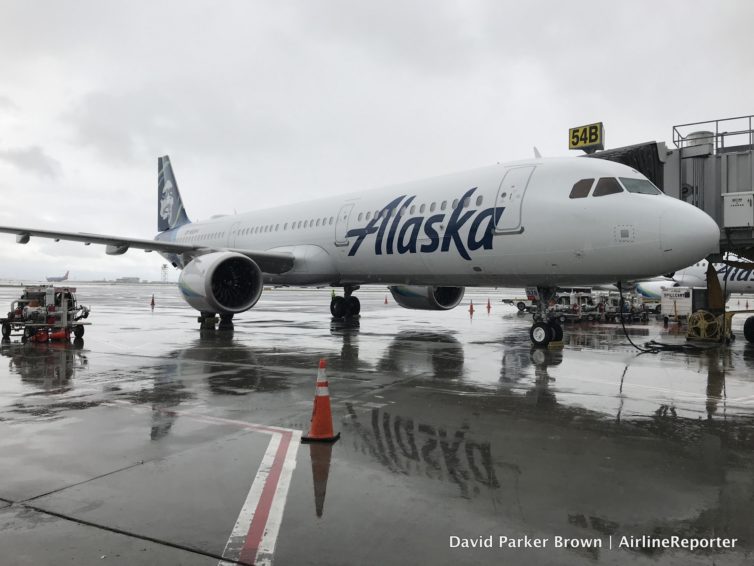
pixel 32 159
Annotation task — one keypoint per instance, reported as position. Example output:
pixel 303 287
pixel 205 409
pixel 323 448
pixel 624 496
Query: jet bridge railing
pixel 726 134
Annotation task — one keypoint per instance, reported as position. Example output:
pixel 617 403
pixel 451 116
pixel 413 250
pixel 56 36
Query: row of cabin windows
pixel 313 223
pixel 610 186
pixel 422 208
pixel 295 225
pixel 202 237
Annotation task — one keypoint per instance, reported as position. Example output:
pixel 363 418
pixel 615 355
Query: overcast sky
pixel 267 103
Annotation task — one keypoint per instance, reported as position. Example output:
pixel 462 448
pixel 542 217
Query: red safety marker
pixel 152 303
pixel 489 305
pixel 471 308
pixel 320 429
pixel 385 299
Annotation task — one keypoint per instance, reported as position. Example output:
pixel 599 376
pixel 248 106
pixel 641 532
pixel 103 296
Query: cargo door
pixel 510 198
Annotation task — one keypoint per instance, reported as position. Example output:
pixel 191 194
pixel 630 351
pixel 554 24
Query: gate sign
pixel 590 138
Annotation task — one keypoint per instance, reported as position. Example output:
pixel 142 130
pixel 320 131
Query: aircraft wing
pixel 269 262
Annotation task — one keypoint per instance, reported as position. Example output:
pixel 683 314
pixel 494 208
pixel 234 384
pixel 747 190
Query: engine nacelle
pixel 221 282
pixel 427 298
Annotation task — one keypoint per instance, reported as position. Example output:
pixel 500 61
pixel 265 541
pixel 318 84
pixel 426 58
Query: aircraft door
pixel 341 224
pixel 510 197
pixel 232 233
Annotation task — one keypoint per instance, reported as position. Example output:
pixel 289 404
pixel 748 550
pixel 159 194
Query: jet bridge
pixel 710 166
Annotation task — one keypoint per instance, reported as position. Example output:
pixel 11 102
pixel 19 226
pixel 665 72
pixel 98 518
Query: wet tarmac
pixel 150 443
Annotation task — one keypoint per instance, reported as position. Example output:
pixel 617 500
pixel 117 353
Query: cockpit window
pixel 607 186
pixel 581 188
pixel 641 186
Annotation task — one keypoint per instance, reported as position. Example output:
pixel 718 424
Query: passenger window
pixel 402 211
pixel 432 207
pixel 466 202
pixel 412 209
pixel 479 200
pixel 360 216
pixel 369 215
pixel 607 186
pixel 331 220
pixel 422 208
pixel 581 188
pixel 317 221
pixel 276 227
pixel 444 205
pixel 455 203
pixel 285 226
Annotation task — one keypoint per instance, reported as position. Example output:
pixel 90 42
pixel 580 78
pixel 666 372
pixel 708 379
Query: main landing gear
pixel 208 320
pixel 345 307
pixel 546 327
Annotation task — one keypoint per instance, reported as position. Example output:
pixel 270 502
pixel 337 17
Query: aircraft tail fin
pixel 170 211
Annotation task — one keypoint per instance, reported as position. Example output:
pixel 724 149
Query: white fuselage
pixel 732 279
pixel 518 228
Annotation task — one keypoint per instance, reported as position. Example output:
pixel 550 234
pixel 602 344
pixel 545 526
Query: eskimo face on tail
pixel 169 204
pixel 170 212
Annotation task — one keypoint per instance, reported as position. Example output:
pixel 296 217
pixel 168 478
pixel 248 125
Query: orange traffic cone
pixel 321 429
pixel 385 299
pixel 471 308
pixel 152 303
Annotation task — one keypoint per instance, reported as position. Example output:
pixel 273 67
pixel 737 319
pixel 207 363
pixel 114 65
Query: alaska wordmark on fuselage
pixel 539 222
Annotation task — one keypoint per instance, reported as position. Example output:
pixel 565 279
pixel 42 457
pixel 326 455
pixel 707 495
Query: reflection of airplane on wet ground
pixel 57 279
pixel 538 222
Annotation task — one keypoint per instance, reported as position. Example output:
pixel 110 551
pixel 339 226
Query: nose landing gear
pixel 546 327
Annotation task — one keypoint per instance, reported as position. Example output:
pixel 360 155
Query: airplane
pixel 544 222
pixel 57 279
pixel 737 278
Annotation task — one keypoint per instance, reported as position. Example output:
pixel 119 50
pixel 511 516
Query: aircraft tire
pixel 749 329
pixel 556 332
pixel 540 334
pixel 78 331
pixel 338 307
pixel 353 306
pixel 521 306
pixel 6 330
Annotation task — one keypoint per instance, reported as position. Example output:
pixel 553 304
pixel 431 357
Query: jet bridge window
pixel 607 186
pixel 581 188
pixel 640 186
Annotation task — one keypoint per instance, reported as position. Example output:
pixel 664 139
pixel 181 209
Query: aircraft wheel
pixel 556 332
pixel 353 306
pixel 338 307
pixel 6 330
pixel 540 334
pixel 521 306
pixel 749 329
pixel 78 331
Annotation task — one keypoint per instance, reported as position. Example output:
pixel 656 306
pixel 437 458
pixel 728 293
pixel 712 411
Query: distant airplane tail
pixel 170 212
pixel 65 277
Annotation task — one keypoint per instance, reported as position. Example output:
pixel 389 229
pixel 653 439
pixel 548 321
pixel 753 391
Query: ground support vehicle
pixel 44 313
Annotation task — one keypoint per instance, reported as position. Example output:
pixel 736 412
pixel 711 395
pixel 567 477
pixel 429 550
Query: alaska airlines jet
pixel 57 279
pixel 737 278
pixel 539 222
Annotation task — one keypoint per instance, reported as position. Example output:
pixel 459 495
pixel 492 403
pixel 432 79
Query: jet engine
pixel 427 298
pixel 221 282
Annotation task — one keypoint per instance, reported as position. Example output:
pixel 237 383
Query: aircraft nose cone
pixel 688 233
